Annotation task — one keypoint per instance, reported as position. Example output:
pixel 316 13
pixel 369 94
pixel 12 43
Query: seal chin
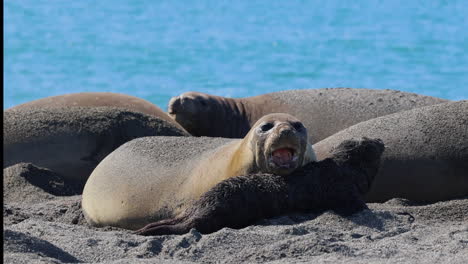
pixel 283 160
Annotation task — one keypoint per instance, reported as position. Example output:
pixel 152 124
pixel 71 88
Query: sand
pixel 398 231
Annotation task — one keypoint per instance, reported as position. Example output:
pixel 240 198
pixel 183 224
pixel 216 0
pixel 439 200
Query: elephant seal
pixel 154 178
pixel 98 99
pixel 335 183
pixel 323 111
pixel 426 156
pixel 72 141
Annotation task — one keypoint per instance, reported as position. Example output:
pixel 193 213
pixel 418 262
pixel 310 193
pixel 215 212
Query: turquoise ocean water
pixel 158 49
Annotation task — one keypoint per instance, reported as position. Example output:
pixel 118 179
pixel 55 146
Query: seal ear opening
pixel 309 155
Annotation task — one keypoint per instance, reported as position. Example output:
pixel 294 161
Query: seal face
pixel 280 143
pixel 188 108
pixel 209 115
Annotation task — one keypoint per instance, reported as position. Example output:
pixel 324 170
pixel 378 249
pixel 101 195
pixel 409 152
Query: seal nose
pixel 285 129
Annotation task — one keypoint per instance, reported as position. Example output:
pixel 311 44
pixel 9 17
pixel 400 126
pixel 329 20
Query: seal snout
pixel 285 130
pixel 286 150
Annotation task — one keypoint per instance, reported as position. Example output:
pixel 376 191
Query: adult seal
pixel 155 178
pixel 100 99
pixel 71 141
pixel 323 111
pixel 426 156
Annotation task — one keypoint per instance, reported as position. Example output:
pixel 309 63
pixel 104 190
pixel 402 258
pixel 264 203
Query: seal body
pixel 72 141
pixel 100 99
pixel 322 111
pixel 426 155
pixel 154 178
pixel 338 183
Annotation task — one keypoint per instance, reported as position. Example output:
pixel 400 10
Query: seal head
pixel 280 144
pixel 209 115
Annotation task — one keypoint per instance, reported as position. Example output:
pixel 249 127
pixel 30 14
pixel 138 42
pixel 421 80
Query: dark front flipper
pixel 234 203
pixel 176 226
pixel 338 183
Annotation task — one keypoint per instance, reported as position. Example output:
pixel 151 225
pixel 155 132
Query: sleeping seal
pixel 100 99
pixel 323 111
pixel 71 141
pixel 426 156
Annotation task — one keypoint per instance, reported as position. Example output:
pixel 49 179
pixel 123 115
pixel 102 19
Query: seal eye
pixel 203 103
pixel 298 126
pixel 266 127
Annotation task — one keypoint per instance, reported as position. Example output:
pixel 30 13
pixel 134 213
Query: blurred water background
pixel 158 49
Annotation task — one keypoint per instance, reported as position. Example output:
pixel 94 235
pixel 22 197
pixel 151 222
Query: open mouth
pixel 284 158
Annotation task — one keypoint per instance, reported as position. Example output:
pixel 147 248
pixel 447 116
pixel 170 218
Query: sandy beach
pixel 398 231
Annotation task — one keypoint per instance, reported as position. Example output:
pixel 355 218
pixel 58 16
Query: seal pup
pixel 154 178
pixel 426 156
pixel 337 183
pixel 100 99
pixel 323 111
